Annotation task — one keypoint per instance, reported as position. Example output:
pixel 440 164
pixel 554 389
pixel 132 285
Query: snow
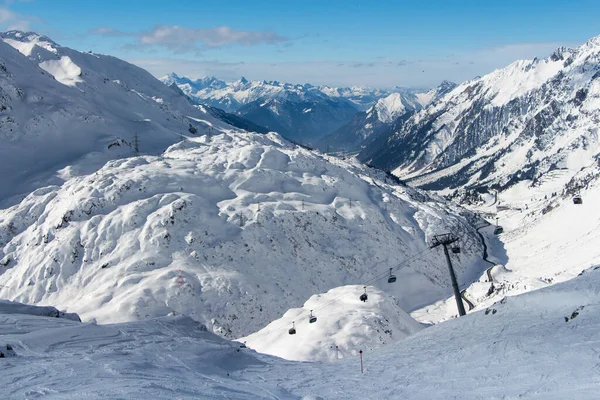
pixel 521 122
pixel 523 77
pixel 425 98
pixel 390 107
pixel 79 128
pixel 248 221
pixel 538 345
pixel 343 321
pixel 24 48
pixel 547 240
pixel 64 70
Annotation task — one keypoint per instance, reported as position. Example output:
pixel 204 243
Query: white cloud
pixel 377 72
pixel 105 31
pixel 11 20
pixel 211 37
pixel 183 40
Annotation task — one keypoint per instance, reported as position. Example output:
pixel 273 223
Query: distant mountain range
pixel 366 126
pixel 300 112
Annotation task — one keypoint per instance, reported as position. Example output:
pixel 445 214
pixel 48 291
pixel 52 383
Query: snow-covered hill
pixel 384 116
pixel 232 229
pixel 64 113
pixel 343 321
pixel 541 344
pixel 535 120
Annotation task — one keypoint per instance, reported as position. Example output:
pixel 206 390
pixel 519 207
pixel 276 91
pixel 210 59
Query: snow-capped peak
pixel 389 108
pixel 26 42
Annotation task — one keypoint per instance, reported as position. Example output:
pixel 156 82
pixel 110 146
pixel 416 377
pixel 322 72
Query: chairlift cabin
pixel 391 278
pixel 292 330
pixel 364 297
pixel 498 230
pixel 456 250
pixel 312 318
pixel 577 199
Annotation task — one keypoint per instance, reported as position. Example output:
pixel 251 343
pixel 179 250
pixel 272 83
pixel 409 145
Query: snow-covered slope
pixel 65 113
pixel 547 239
pixel 343 321
pixel 527 121
pixel 232 229
pixel 541 344
pixel 387 113
pixel 391 107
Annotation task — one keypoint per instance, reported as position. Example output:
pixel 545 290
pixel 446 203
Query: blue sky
pixel 377 43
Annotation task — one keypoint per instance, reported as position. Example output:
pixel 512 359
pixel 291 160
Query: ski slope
pixel 542 344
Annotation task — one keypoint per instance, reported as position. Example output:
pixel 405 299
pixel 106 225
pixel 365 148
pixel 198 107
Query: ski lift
pixel 364 297
pixel 577 199
pixel 292 330
pixel 498 230
pixel 312 318
pixel 391 278
pixel 455 250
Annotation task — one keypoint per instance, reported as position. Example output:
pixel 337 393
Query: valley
pixel 192 237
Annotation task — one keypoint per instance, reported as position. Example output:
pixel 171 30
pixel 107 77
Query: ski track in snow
pixel 542 344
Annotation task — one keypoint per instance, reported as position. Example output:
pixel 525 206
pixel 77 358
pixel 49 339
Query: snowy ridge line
pixel 335 299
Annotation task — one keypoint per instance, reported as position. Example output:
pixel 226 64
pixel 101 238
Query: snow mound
pixel 232 229
pixel 64 70
pixel 343 321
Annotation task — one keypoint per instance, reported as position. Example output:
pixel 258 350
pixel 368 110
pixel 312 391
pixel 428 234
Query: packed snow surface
pixel 543 344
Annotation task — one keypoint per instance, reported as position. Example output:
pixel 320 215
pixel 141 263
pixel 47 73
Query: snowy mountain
pixel 230 228
pixel 301 113
pixel 64 113
pixel 382 117
pixel 535 120
pixel 303 119
pixel 230 96
pixel 537 345
pixel 362 97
